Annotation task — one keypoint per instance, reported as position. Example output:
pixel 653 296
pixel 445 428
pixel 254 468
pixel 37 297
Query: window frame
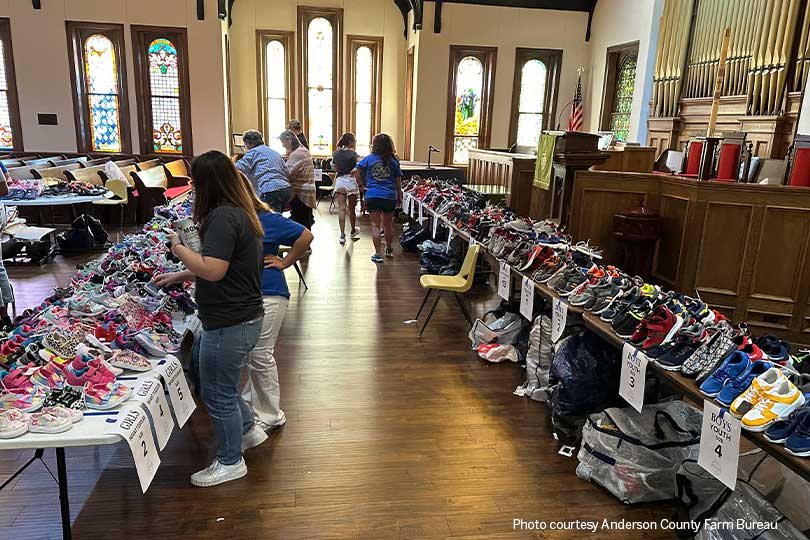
pixel 409 92
pixel 375 43
pixel 77 32
pixel 488 57
pixel 142 36
pixel 263 37
pixel 11 81
pixel 614 58
pixel 305 14
pixel 552 58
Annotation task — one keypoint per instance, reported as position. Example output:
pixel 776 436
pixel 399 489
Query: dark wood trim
pixel 77 32
pixel 335 16
pixel 263 37
pixel 141 37
pixel 552 58
pixel 615 56
pixel 409 71
pixel 11 80
pixel 375 43
pixel 437 17
pixel 561 5
pixel 488 57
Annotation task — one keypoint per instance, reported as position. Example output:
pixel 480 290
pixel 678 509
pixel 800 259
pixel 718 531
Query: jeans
pixel 277 200
pixel 221 354
pixel 261 390
pixel 6 296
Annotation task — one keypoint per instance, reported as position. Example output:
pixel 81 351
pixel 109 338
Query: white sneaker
pixel 217 473
pixel 774 404
pixel 342 239
pixel 254 437
pixel 271 427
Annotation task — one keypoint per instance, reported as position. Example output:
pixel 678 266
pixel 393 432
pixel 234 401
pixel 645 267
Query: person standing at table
pixel 266 170
pixel 6 295
pixel 383 185
pixel 295 126
pixel 343 161
pixel 302 179
pixel 228 273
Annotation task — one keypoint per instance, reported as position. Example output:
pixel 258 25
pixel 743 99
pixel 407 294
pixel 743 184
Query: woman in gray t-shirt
pixel 343 161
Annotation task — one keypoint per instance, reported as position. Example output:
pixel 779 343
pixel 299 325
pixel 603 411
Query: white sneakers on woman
pixel 217 473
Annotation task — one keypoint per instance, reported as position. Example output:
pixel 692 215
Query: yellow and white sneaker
pixel 765 382
pixel 776 403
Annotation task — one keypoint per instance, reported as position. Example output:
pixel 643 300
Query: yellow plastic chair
pixel 460 283
pixel 120 189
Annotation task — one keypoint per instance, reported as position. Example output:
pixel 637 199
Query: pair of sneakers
pixel 377 258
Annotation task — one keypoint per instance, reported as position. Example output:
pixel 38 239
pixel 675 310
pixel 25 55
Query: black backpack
pixel 85 232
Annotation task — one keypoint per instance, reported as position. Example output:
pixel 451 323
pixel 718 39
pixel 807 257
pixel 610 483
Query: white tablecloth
pixel 59 201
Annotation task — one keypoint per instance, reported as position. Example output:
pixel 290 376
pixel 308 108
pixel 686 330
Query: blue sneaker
pixel 739 384
pixel 734 365
pixel 782 429
pixel 798 443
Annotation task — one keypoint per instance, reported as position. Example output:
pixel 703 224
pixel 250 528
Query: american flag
pixel 575 122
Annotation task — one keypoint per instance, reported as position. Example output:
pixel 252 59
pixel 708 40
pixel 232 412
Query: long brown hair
pixel 383 146
pixel 217 182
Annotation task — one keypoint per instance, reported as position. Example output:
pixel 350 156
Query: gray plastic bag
pixel 538 361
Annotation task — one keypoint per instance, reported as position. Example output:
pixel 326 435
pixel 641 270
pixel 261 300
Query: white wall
pixel 507 29
pixel 43 71
pixel 804 114
pixel 616 22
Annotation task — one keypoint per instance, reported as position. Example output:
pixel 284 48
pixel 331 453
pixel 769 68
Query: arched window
pixel 320 86
pixel 275 92
pixel 163 107
pixel 623 101
pixel 534 98
pixel 364 89
pixel 101 82
pixel 100 89
pixel 470 105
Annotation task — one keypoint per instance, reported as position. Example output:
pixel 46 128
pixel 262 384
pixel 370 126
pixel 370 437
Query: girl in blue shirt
pixel 383 187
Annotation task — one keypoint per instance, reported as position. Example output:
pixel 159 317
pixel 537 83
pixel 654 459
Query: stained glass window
pixel 320 80
pixel 164 87
pixel 531 100
pixel 6 133
pixel 469 86
pixel 101 81
pixel 275 93
pixel 623 102
pixel 363 98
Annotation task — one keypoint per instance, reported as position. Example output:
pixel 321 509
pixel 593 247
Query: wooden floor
pixel 388 437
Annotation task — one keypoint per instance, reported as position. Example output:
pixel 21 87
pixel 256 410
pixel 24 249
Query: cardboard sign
pixel 719 451
pixel 133 425
pixel 504 280
pixel 151 394
pixel 527 298
pixel 633 376
pixel 179 393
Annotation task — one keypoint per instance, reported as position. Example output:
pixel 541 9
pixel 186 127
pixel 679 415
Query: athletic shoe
pixel 355 234
pixel 270 427
pixel 46 422
pixel 375 259
pixel 342 239
pixel 734 366
pixel 709 356
pixel 601 297
pixel 574 279
pixel 217 473
pixel 389 252
pixel 675 354
pixel 624 326
pixel 753 352
pixel 736 386
pixel 753 394
pixel 253 438
pixel 798 443
pixel 776 403
pixel 661 328
pixel 620 304
pixel 781 430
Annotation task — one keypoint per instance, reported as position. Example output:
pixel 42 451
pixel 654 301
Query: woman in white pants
pixel 261 391
pixel 6 295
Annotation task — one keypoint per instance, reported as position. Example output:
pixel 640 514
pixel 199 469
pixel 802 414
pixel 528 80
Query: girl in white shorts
pixel 343 161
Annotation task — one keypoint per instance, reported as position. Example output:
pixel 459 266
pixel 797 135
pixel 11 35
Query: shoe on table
pixel 733 366
pixel 798 443
pixel 781 430
pixel 254 437
pixel 735 387
pixel 775 404
pixel 342 239
pixel 377 258
pixel 752 395
pixel 217 473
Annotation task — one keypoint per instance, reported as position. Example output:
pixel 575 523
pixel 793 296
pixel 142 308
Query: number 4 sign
pixel 633 376
pixel 719 451
pixel 151 393
pixel 179 394
pixel 133 426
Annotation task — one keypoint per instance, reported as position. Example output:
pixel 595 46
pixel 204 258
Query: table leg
pixel 63 493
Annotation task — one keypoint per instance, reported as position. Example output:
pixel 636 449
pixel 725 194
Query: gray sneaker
pixel 601 297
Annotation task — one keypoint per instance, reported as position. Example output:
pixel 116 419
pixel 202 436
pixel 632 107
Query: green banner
pixel 545 157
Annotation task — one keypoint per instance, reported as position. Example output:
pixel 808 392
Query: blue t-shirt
pixel 381 177
pixel 278 230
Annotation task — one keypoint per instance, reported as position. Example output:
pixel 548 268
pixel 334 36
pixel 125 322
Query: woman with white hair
pixel 301 175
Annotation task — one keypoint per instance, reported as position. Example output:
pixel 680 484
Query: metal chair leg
pixel 463 309
pixel 430 314
pixel 424 301
pixel 301 275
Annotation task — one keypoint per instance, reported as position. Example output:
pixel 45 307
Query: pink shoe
pixel 50 376
pixel 90 375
